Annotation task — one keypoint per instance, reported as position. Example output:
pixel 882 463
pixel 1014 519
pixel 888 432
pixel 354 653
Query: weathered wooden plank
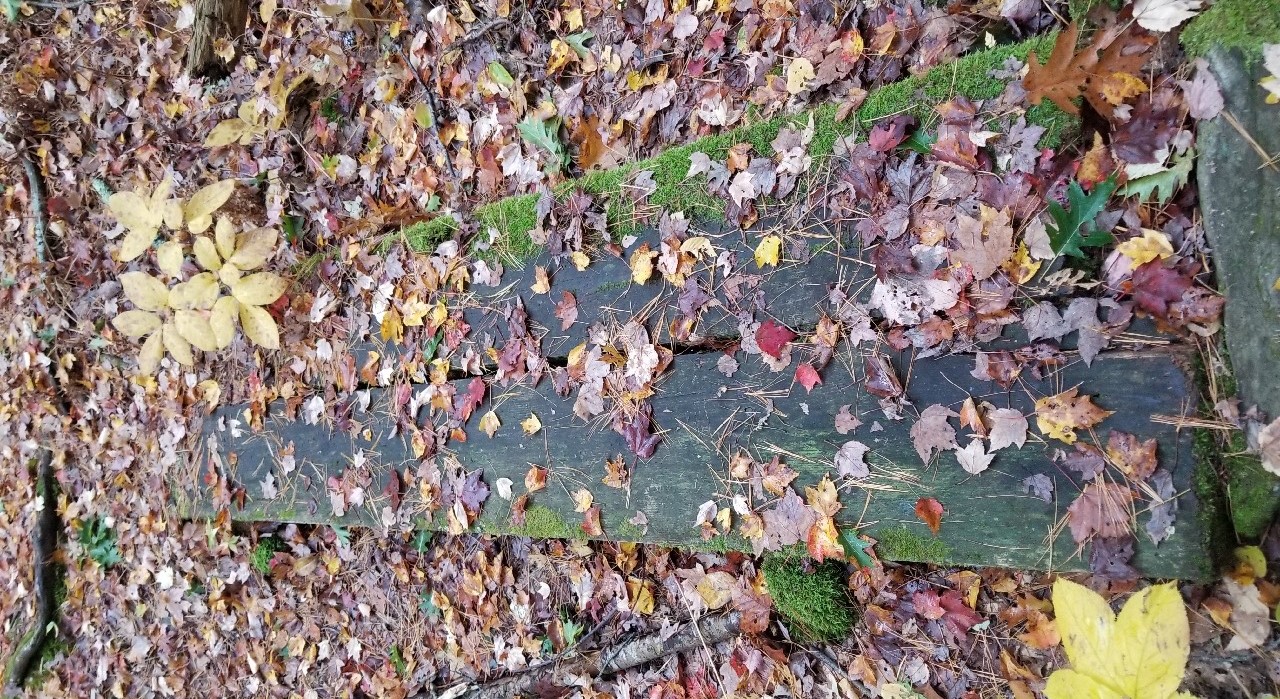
pixel 705 417
pixel 1241 205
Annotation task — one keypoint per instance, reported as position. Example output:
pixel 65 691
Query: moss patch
pixel 542 522
pixel 902 544
pixel 514 217
pixel 262 553
pixel 811 597
pixel 1244 25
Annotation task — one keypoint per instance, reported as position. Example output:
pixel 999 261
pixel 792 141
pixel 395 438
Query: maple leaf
pixel 1135 458
pixel 985 243
pixel 567 310
pixel 772 338
pixel 1156 285
pixel 591 522
pixel 1058 416
pixel 823 540
pixel 973 458
pixel 851 460
pixel 807 376
pixel 769 251
pixel 930 511
pixel 1102 510
pixel 1073 228
pixel 1008 427
pixel 1164 15
pixel 535 478
pixel 932 433
pixel 823 497
pixel 787 522
pixel 489 423
pixel 531 425
pixel 1141 653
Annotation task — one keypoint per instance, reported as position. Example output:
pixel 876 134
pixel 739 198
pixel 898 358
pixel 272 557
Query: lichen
pixel 1243 25
pixel 902 544
pixel 811 597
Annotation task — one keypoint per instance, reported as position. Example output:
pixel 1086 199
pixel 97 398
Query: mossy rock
pixel 902 544
pixel 811 597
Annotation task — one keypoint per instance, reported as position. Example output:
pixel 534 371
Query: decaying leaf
pixel 1059 416
pixel 930 511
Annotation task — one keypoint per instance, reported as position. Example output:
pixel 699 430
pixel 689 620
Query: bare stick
pixel 44 539
pixel 39 209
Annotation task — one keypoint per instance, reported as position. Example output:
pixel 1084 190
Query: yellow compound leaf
pixel 177 345
pixel 259 327
pixel 145 291
pixel 228 132
pixel 169 257
pixel 769 251
pixel 1060 415
pixel 201 291
pixel 198 211
pixel 196 329
pixel 1142 653
pixel 207 254
pixel 254 247
pixel 224 238
pixel 223 320
pixel 258 289
pixel 151 354
pixel 136 323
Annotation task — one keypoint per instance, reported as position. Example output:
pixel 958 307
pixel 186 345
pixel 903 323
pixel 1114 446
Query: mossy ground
pixel 262 553
pixel 1244 25
pixel 541 522
pixel 514 217
pixel 902 544
pixel 811 597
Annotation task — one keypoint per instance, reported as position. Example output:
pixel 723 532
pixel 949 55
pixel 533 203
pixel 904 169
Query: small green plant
pixel 263 552
pixel 810 597
pixel 546 135
pixel 331 110
pixel 99 541
pixel 397 661
pixel 1072 229
pixel 570 630
pixel 422 540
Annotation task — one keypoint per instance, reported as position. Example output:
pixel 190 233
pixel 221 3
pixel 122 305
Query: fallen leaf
pixel 1151 246
pixel 772 338
pixel 973 458
pixel 1008 427
pixel 807 376
pixel 769 251
pixel 642 263
pixel 531 424
pixel 489 423
pixel 1164 15
pixel 582 500
pixel 930 511
pixel 1136 459
pixel 541 281
pixel 932 433
pixel 591 522
pixel 535 478
pixel 799 73
pixel 1101 510
pixel 850 460
pixel 1060 415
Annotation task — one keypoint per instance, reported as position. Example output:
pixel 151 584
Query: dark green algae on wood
pixel 705 417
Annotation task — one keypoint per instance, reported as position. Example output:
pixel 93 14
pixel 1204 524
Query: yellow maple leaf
pixel 642 263
pixel 641 594
pixel 580 260
pixel 489 423
pixel 1060 415
pixel 769 251
pixel 531 424
pixel 1142 250
pixel 1140 654
pixel 799 73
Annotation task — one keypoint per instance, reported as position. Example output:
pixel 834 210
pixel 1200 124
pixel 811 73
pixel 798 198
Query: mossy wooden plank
pixel 705 417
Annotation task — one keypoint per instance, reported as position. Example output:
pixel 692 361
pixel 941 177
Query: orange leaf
pixel 929 510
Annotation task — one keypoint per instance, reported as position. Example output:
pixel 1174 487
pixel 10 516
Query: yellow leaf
pixel 641 594
pixel 136 323
pixel 799 73
pixel 207 254
pixel 258 289
pixel 266 10
pixel 199 208
pixel 489 423
pixel 134 243
pixel 259 327
pixel 201 291
pixel 137 216
pixel 177 345
pixel 698 246
pixel 227 132
pixel 224 238
pixel 531 424
pixel 413 311
pixel 642 264
pixel 1251 563
pixel 716 589
pixel 391 328
pixel 769 251
pixel 541 281
pixel 195 328
pixel 145 291
pixel 1058 416
pixel 561 55
pixel 582 499
pixel 169 257
pixel 211 392
pixel 580 260
pixel 151 354
pixel 254 247
pixel 1021 267
pixel 1152 245
pixel 223 320
pixel 1139 654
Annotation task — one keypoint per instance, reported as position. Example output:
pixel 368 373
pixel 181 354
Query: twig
pixel 44 540
pixel 431 107
pixel 1267 159
pixel 39 209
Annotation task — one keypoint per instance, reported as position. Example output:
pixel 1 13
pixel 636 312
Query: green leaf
pixel 500 75
pixel 855 548
pixel 920 141
pixel 1163 184
pixel 545 135
pixel 1073 229
pixel 579 42
pixel 429 347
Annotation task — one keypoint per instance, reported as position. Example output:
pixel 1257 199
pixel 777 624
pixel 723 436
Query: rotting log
pixel 215 19
pixel 706 417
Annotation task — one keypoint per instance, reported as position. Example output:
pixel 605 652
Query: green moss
pixel 426 235
pixel 1244 25
pixel 629 532
pixel 513 217
pixel 811 597
pixel 902 544
pixel 262 553
pixel 721 543
pixel 1213 471
pixel 1252 493
pixel 542 522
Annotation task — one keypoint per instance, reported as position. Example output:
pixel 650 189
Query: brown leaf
pixel 986 243
pixel 882 382
pixel 1136 459
pixel 930 511
pixel 567 310
pixel 932 433
pixel 1101 510
pixel 591 522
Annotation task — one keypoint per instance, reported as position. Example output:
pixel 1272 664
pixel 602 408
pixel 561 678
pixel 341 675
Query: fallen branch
pixel 44 540
pixel 705 632
pixel 39 209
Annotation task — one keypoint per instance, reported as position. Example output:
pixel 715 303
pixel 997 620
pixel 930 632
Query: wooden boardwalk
pixel 288 470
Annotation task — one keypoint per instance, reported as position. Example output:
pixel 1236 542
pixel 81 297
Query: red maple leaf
pixel 772 337
pixel 1155 286
pixel 807 376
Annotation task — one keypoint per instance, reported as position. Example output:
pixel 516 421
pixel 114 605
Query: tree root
pixel 705 632
pixel 44 541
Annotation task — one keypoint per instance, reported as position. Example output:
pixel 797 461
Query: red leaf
pixel 930 512
pixel 886 135
pixel 772 337
pixel 1156 286
pixel 470 399
pixel 591 522
pixel 807 376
